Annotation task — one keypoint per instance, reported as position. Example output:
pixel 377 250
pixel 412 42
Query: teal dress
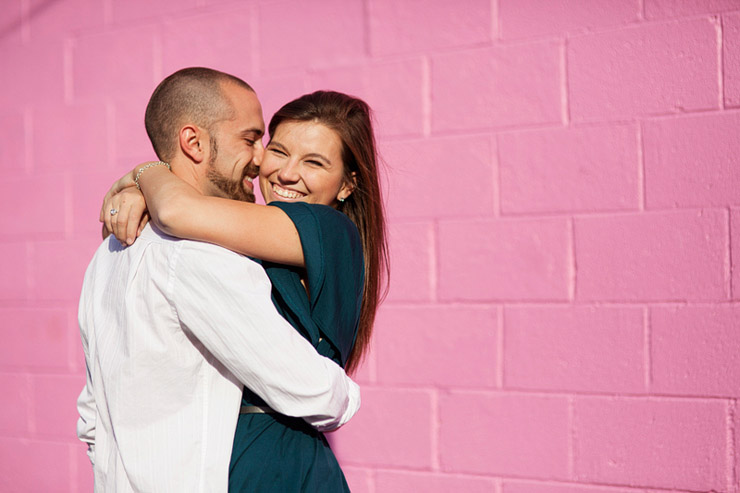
pixel 277 453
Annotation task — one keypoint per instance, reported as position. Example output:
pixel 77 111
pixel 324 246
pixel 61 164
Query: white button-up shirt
pixel 170 329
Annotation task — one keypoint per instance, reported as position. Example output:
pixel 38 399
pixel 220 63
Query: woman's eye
pixel 315 163
pixel 276 151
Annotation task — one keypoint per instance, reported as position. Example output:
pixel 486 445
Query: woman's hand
pixel 126 181
pixel 124 210
pixel 130 215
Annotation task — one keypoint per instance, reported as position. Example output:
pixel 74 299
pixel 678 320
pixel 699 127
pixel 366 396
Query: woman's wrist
pixel 139 170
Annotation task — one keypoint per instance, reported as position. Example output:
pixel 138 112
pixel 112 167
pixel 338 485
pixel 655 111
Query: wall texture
pixel 564 200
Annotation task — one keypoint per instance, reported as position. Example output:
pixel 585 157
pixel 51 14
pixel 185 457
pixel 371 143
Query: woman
pixel 325 254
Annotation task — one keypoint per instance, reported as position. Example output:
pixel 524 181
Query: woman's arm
pixel 256 230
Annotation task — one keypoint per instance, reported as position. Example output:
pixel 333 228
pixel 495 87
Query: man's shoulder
pixel 198 255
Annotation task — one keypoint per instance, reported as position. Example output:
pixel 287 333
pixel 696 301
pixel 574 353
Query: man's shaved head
pixel 189 96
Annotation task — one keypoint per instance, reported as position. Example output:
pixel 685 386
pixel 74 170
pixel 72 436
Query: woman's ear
pixel 192 140
pixel 347 187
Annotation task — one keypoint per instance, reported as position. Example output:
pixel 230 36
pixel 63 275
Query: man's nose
pixel 259 153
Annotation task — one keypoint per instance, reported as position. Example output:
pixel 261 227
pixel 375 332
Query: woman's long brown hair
pixel 350 118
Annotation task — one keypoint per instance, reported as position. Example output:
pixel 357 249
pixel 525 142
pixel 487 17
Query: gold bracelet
pixel 141 170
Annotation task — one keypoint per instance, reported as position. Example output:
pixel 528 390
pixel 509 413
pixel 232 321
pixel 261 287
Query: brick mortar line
pixel 576 215
pixel 254 28
pixel 68 70
pixel 496 165
pixel 572 261
pixel 74 468
pixel 366 34
pixel 641 185
pixel 28 147
pixel 508 478
pixel 564 88
pixel 731 452
pixel 61 305
pixel 543 304
pixel 495 31
pixel 504 478
pixel 43 374
pixel 25 22
pixel 500 347
pixel 107 12
pixel 583 32
pixel 372 481
pixel 435 439
pixel 720 60
pixel 435 261
pixel 562 394
pixel 426 96
pixel 157 50
pixel 728 257
pixel 647 349
pixel 584 123
pixel 572 438
pixel 112 128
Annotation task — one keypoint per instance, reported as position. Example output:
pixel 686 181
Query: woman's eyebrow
pixel 319 156
pixel 276 144
pixel 314 155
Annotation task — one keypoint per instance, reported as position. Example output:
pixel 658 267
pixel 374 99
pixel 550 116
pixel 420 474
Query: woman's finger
pixel 133 220
pixel 107 216
pixel 119 220
pixel 142 223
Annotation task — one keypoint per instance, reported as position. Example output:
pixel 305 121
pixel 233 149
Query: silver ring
pixel 113 211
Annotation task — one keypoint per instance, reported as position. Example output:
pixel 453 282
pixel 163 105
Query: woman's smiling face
pixel 303 163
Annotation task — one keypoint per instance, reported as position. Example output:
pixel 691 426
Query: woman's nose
pixel 289 172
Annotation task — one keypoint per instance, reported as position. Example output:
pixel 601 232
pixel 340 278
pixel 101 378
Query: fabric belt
pixel 256 410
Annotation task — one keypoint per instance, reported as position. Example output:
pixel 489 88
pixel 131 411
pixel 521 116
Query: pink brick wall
pixel 563 189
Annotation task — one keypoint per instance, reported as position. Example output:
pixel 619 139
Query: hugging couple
pixel 217 332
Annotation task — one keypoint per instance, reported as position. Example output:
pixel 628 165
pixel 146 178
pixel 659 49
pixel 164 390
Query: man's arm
pixel 224 299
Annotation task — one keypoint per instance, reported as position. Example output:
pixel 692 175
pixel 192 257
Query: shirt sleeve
pixel 224 300
pixel 335 270
pixel 86 407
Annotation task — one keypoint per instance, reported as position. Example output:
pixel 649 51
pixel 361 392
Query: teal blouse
pixel 273 452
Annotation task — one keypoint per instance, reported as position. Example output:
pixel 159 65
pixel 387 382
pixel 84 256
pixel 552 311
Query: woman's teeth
pixel 286 194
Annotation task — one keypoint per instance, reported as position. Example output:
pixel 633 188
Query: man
pixel 172 328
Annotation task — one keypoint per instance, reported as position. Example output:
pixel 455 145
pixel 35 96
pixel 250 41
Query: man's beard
pixel 232 189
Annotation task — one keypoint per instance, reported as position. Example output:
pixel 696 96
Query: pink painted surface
pixel 658 256
pixel 666 443
pixel 564 205
pixel 491 433
pixel 692 161
pixel 694 350
pixel 563 16
pixel 644 70
pixel 581 348
pixel 575 169
pixel 731 58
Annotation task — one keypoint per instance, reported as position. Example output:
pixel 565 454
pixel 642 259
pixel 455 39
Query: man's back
pixel 165 407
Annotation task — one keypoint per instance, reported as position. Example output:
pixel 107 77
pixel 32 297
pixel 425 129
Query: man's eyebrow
pixel 258 132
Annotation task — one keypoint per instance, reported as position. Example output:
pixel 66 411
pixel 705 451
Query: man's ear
pixel 193 142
